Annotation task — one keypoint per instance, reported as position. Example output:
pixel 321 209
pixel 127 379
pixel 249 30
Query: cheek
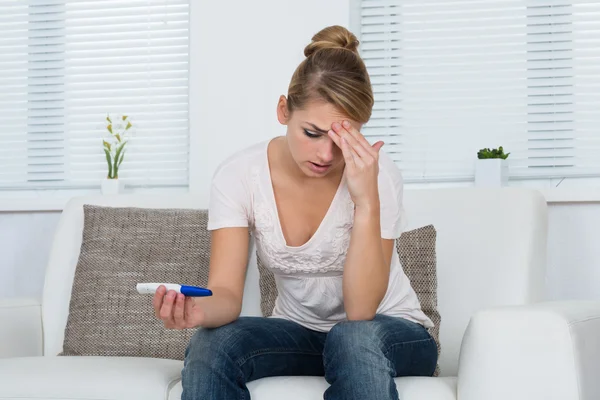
pixel 298 144
pixel 301 141
pixel 307 146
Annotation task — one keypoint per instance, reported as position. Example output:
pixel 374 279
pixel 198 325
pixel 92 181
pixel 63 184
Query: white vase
pixel 112 186
pixel 491 172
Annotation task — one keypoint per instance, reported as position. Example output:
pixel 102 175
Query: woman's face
pixel 310 146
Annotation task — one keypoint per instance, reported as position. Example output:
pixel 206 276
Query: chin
pixel 311 174
pixel 307 172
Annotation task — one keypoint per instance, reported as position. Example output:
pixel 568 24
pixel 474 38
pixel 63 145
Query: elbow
pixel 362 309
pixel 361 315
pixel 365 310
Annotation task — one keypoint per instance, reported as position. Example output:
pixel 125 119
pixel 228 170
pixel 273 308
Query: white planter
pixel 492 172
pixel 112 186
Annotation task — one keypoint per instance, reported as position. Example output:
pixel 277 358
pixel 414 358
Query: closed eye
pixel 311 134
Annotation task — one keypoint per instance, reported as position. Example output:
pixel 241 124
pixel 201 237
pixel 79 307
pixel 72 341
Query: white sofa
pixel 498 341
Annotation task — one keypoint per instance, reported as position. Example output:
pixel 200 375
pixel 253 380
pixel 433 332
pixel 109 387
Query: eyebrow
pixel 317 129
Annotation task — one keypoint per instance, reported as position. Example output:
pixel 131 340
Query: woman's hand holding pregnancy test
pixel 176 305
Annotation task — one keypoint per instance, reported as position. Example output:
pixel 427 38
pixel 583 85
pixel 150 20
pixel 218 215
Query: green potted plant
pixel 491 169
pixel 114 151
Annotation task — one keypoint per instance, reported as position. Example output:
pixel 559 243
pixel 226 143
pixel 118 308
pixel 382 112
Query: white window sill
pixel 576 191
pixel 55 200
pixel 56 203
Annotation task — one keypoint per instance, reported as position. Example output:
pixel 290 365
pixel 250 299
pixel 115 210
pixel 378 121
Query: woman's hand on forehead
pixel 362 161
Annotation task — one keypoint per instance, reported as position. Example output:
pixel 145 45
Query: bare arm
pixel 227 273
pixel 367 268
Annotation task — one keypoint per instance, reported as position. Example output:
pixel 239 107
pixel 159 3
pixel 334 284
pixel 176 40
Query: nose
pixel 326 151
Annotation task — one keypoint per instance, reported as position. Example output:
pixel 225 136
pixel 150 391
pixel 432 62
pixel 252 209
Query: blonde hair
pixel 334 72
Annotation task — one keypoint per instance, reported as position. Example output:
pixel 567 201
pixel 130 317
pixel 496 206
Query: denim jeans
pixel 359 359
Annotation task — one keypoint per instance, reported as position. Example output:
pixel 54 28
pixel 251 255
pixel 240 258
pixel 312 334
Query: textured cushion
pixel 121 247
pixel 416 249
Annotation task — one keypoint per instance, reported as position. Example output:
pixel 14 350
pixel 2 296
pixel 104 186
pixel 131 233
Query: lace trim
pixel 326 255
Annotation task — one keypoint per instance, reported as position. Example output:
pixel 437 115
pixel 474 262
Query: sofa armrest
pixel 20 328
pixel 546 351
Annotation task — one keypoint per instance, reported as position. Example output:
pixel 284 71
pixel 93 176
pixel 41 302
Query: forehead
pixel 320 113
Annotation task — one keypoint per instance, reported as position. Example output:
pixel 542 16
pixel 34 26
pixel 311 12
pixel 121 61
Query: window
pixel 66 65
pixel 452 77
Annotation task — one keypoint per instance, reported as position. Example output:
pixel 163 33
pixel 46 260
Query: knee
pixel 200 344
pixel 353 340
pixel 210 344
pixel 355 363
pixel 355 333
pixel 209 356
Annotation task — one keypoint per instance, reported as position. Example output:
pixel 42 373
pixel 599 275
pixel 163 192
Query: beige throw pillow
pixel 121 247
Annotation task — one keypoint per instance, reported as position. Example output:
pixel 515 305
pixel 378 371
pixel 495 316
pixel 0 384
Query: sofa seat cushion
pixel 312 388
pixel 85 378
pixel 108 378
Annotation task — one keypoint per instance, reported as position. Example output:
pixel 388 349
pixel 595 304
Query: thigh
pixel 262 347
pixel 408 345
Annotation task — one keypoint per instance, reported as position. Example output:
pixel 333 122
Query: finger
pixel 354 144
pixel 377 146
pixel 346 152
pixel 335 137
pixel 166 311
pixel 350 156
pixel 360 138
pixel 191 310
pixel 355 159
pixel 157 301
pixel 178 316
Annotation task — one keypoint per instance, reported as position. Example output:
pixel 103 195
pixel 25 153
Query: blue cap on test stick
pixel 195 291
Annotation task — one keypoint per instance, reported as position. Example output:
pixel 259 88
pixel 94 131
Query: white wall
pixel 241 62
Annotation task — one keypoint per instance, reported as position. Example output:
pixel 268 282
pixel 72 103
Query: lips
pixel 319 168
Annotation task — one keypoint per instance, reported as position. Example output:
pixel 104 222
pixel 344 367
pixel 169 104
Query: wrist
pixel 368 203
pixel 366 210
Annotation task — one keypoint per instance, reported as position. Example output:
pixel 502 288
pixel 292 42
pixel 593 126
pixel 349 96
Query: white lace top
pixel 309 277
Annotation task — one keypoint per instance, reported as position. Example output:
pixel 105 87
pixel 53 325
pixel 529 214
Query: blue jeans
pixel 359 359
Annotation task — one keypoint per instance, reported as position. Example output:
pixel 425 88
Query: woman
pixel 325 208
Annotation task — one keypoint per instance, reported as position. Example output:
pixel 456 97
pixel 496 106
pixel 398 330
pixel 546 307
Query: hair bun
pixel 332 37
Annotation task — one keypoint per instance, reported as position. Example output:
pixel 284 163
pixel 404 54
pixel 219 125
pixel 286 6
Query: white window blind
pixel 66 65
pixel 452 77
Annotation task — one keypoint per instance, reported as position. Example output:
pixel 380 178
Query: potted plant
pixel 114 150
pixel 491 169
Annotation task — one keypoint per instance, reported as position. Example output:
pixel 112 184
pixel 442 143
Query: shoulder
pixel 231 203
pixel 390 176
pixel 239 163
pixel 390 197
